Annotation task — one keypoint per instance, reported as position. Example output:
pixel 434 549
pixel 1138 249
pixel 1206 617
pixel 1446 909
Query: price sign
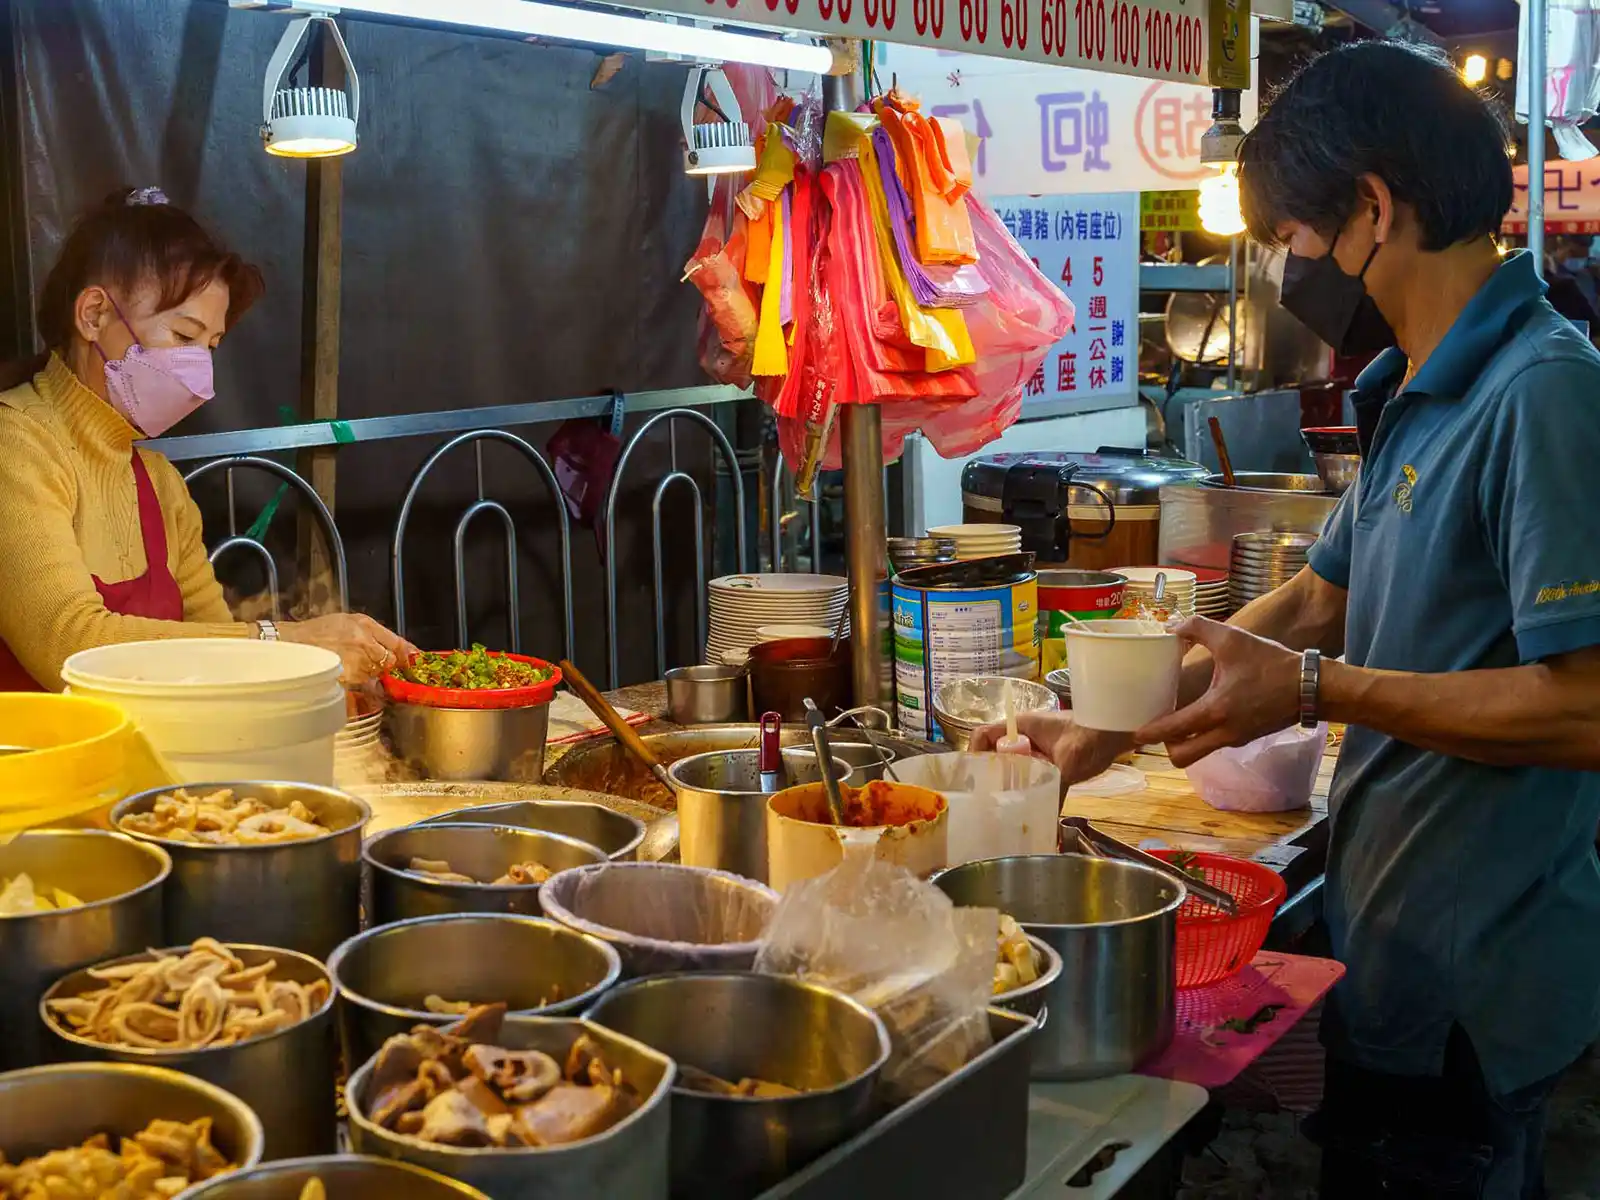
pixel 1195 41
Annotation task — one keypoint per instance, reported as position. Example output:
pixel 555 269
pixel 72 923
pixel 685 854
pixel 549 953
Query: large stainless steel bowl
pixel 470 743
pixel 664 917
pixel 962 706
pixel 1030 997
pixel 345 1176
pixel 120 881
pixel 745 1026
pixel 303 895
pixel 484 852
pixel 60 1106
pixel 628 1160
pixel 618 834
pixel 1114 924
pixel 535 966
pixel 287 1077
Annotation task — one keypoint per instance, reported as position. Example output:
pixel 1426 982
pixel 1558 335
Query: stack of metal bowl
pixel 907 552
pixel 961 706
pixel 1336 450
pixel 1264 561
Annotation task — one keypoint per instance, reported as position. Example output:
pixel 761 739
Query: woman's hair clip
pixel 149 195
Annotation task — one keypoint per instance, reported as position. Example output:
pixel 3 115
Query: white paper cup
pixel 1122 678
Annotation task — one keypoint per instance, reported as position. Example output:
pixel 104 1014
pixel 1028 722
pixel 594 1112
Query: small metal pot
pixel 63 1105
pixel 537 967
pixel 708 695
pixel 866 764
pixel 122 881
pixel 1113 1006
pixel 471 743
pixel 1030 997
pixel 617 834
pixel 303 895
pixel 664 917
pixel 628 1160
pixel 481 851
pixel 345 1176
pixel 766 1027
pixel 722 811
pixel 287 1077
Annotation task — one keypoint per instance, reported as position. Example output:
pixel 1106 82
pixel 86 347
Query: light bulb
pixel 1474 70
pixel 1219 203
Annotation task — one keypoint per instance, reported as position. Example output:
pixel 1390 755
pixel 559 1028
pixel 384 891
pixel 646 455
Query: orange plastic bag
pixel 944 231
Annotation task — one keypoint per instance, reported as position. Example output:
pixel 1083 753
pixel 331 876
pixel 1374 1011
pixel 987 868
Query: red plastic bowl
pixel 1212 945
pixel 404 691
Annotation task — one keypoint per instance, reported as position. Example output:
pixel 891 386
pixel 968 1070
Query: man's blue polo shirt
pixel 1457 892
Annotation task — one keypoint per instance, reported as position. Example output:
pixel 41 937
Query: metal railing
pixel 782 496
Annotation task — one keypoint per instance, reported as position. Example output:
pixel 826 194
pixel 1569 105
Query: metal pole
pixel 861 433
pixel 1538 35
pixel 1233 312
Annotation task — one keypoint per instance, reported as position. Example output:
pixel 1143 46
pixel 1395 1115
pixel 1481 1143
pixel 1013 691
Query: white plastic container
pixel 223 708
pixel 1000 804
pixel 1123 676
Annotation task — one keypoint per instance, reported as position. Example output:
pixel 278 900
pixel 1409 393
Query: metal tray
pixel 966 1136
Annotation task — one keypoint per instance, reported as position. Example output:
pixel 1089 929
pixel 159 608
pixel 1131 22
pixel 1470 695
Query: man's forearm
pixel 1302 615
pixel 1546 714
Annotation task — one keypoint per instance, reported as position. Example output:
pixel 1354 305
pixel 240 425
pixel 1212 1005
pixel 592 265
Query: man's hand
pixel 1255 690
pixel 1078 753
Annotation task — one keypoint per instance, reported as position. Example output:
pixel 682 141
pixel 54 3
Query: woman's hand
pixel 367 648
pixel 1078 753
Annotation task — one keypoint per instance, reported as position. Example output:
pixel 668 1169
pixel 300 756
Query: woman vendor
pixel 100 541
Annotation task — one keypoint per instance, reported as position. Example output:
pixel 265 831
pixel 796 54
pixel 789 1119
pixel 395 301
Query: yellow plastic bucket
pixel 67 757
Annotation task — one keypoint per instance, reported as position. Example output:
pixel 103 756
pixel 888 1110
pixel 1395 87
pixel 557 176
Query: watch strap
pixel 267 631
pixel 1310 688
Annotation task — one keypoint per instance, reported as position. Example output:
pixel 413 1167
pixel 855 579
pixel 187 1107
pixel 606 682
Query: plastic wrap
pixel 1272 774
pixel 1572 73
pixel 663 916
pixel 876 932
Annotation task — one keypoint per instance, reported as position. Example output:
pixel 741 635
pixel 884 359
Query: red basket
pixel 406 692
pixel 1212 945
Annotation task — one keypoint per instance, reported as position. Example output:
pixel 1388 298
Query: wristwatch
pixel 266 631
pixel 1310 688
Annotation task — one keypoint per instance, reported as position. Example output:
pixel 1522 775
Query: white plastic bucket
pixel 1123 677
pixel 223 708
pixel 1000 804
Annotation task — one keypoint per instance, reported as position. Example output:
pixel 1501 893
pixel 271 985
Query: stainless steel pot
pixel 120 879
pixel 345 1176
pixel 865 763
pixel 722 811
pixel 629 1160
pixel 471 743
pixel 303 895
pixel 535 966
pixel 61 1106
pixel 744 1026
pixel 617 834
pixel 287 1077
pixel 482 851
pixel 664 917
pixel 1114 924
pixel 709 695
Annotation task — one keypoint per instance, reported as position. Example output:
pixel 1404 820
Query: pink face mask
pixel 155 388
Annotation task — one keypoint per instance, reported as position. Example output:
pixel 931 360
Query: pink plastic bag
pixel 1272 774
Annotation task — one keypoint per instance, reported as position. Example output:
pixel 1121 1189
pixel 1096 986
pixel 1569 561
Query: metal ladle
pixel 824 752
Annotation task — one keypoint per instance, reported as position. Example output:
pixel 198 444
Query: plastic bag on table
pixel 1271 774
pixel 877 933
pixel 1572 73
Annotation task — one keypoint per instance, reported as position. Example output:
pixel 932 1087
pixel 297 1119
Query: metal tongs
pixel 1078 836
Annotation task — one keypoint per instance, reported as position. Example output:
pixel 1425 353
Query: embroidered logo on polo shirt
pixel 1403 490
pixel 1567 591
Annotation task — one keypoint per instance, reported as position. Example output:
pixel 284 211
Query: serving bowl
pixel 961 706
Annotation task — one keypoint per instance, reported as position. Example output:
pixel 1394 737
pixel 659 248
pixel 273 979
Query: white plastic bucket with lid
pixel 1123 675
pixel 223 708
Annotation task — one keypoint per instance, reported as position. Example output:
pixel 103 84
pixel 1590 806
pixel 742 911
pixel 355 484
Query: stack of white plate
pixel 1211 594
pixel 741 605
pixel 359 755
pixel 1180 596
pixel 980 541
pixel 1265 561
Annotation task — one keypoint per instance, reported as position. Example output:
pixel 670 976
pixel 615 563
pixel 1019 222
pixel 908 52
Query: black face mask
pixel 1333 305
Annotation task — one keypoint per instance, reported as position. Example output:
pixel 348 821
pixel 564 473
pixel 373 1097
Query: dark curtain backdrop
pixel 510 235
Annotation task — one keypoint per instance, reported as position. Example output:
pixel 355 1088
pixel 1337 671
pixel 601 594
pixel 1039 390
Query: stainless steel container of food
pixel 617 834
pixel 60 1106
pixel 121 881
pixel 722 811
pixel 287 1077
pixel 471 743
pixel 482 851
pixel 765 1027
pixel 1114 924
pixel 537 967
pixel 710 695
pixel 865 762
pixel 664 917
pixel 345 1176
pixel 628 1160
pixel 1030 997
pixel 303 895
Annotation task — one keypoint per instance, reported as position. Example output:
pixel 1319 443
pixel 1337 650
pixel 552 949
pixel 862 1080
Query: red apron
pixel 154 594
